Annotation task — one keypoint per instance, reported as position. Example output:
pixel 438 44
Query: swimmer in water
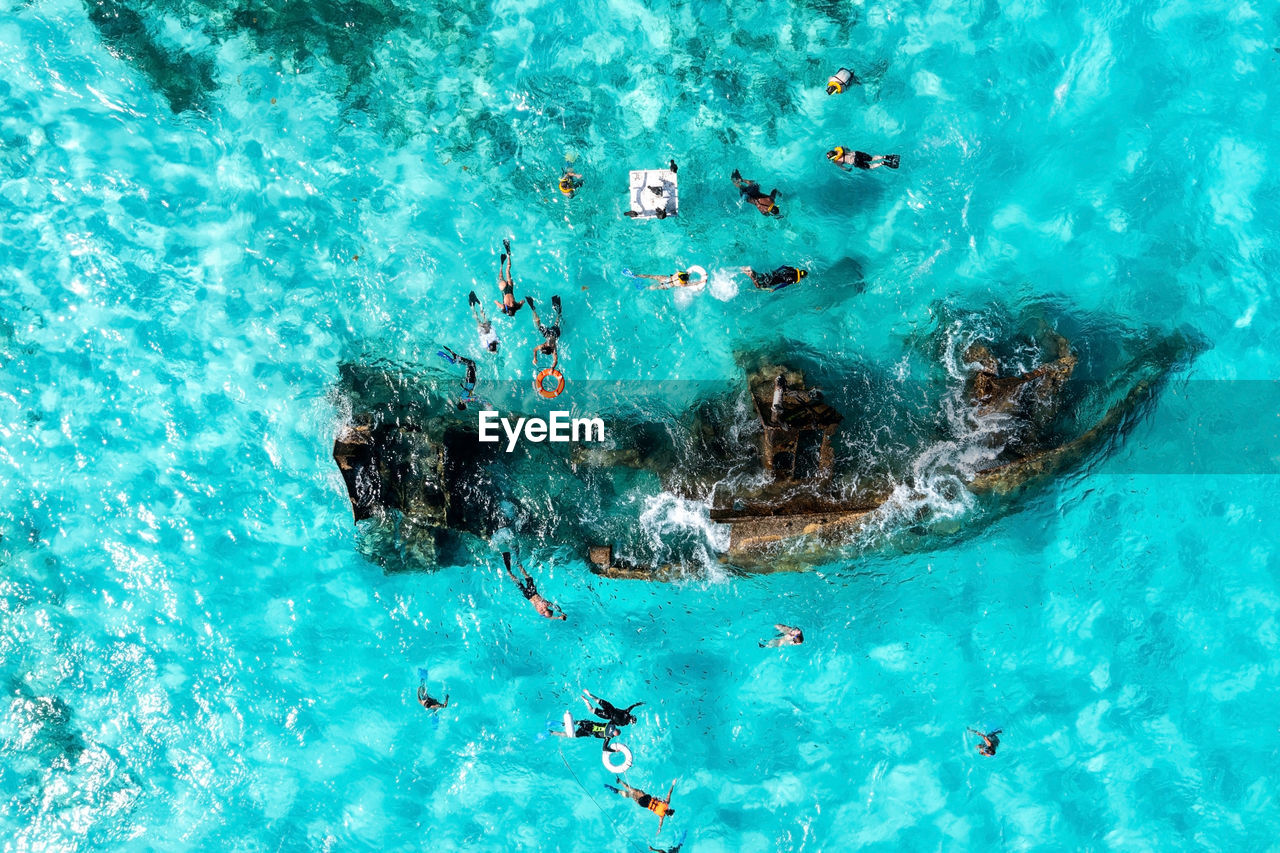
pixel 570 182
pixel 530 591
pixel 787 636
pixel 776 280
pixel 587 728
pixel 680 278
pixel 607 711
pixel 469 383
pixel 506 284
pixel 661 808
pixel 484 328
pixel 990 741
pixel 850 160
pixel 430 704
pixel 750 190
pixel 550 334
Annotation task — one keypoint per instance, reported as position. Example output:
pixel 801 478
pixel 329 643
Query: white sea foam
pixel 724 284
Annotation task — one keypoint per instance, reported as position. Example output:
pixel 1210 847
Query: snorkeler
pixel 488 338
pixel 607 711
pixel 469 383
pixel 661 808
pixel 586 728
pixel 570 182
pixel 680 278
pixel 530 590
pixel 776 280
pixel 425 700
pixel 787 636
pixel 750 190
pixel 989 741
pixel 550 334
pixel 848 160
pixel 508 303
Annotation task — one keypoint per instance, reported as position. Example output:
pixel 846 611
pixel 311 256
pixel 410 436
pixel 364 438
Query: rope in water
pixel 616 831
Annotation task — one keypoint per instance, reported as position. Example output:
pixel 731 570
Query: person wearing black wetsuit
pixel 607 711
pixel 776 280
pixel 588 728
pixel 847 160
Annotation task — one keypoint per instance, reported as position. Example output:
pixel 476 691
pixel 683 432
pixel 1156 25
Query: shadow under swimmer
pixel 560 427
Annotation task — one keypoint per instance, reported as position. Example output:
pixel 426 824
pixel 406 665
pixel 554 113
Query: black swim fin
pixel 472 298
pixel 555 302
pixel 891 160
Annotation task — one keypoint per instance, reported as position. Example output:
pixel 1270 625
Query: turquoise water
pixel 207 210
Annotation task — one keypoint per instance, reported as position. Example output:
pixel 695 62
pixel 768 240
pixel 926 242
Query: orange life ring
pixel 550 371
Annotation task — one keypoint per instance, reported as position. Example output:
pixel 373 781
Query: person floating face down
pixel 588 728
pixel 750 190
pixel 570 182
pixel 607 711
pixel 469 383
pixel 776 280
pixel 425 699
pixel 484 328
pixel 530 591
pixel 679 278
pixel 550 334
pixel 506 284
pixel 787 636
pixel 848 160
pixel 660 807
pixel 990 740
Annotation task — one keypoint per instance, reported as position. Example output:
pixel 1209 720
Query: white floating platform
pixel 645 202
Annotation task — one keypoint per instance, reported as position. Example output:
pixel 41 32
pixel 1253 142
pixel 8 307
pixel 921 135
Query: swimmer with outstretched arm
pixel 484 328
pixel 605 710
pixel 850 160
pixel 506 284
pixel 787 636
pixel 550 334
pixel 750 190
pixel 776 280
pixel 680 278
pixel 530 590
pixel 990 741
pixel 469 383
pixel 430 704
pixel 660 807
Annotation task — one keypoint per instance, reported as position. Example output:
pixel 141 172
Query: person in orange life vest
pixel 661 808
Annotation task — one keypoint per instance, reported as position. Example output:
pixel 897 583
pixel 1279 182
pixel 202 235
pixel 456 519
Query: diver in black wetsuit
pixel 846 159
pixel 607 711
pixel 588 728
pixel 776 280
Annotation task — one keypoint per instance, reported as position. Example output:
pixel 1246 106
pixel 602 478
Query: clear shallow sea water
pixel 200 224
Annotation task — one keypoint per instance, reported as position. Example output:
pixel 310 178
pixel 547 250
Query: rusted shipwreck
pixel 788 484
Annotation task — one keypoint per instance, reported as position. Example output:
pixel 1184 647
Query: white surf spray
pixel 724 284
pixel 667 519
pixel 937 487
